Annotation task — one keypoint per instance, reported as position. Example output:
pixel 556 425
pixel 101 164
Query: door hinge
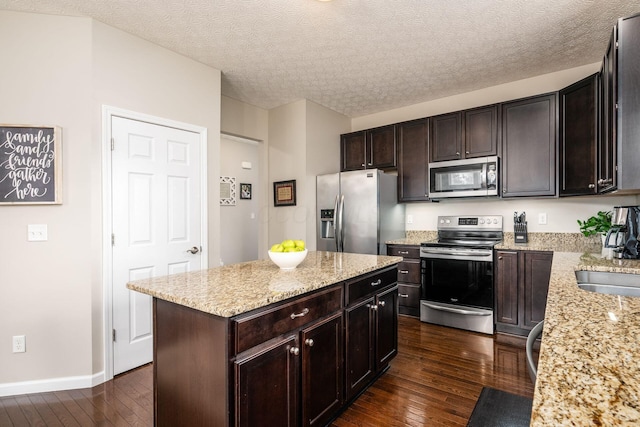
pixel 113 144
pixel 113 239
pixel 113 335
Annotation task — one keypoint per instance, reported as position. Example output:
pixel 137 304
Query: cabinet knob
pixel 592 186
pixel 381 303
pixel 362 165
pixel 294 350
pixel 466 152
pixel 370 164
pixel 458 153
pixel 504 190
pixel 309 342
pixel 372 306
pixel 499 258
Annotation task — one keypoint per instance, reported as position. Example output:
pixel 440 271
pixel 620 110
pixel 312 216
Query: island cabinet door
pixel 359 359
pixel 322 370
pixel 266 389
pixel 387 327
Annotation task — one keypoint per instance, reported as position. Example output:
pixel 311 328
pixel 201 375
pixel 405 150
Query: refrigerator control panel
pixel 326 214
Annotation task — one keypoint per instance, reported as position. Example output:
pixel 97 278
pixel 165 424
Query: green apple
pixel 289 249
pixel 298 249
pixel 288 243
pixel 299 244
pixel 277 248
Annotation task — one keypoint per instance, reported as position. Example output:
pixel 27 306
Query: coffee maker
pixel 625 231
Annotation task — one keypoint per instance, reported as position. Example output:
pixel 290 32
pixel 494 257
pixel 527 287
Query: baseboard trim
pixel 53 384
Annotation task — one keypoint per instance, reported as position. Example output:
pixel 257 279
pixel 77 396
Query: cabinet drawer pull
pixel 376 283
pixel 403 271
pixel 592 186
pixel 403 295
pixel 305 311
pixel 309 342
pixel 403 252
pixel 294 350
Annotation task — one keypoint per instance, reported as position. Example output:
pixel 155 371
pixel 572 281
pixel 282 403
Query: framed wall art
pixel 30 165
pixel 245 191
pixel 227 191
pixel 284 193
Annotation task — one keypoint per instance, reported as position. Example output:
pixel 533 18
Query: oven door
pixel 457 293
pixel 460 282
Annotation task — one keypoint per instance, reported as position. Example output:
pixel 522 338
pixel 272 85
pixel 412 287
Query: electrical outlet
pixel 19 344
pixel 409 219
pixel 542 218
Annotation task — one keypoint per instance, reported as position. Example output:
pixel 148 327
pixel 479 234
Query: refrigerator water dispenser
pixel 327 225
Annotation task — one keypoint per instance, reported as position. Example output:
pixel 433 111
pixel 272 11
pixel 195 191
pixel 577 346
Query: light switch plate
pixel 37 232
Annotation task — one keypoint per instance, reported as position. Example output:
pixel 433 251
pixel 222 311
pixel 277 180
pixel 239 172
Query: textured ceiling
pixel 359 57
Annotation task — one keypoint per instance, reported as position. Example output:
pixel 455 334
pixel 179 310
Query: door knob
pixel 194 250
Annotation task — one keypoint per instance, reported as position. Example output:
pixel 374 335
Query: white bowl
pixel 288 260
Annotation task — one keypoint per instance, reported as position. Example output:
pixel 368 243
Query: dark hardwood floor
pixel 435 380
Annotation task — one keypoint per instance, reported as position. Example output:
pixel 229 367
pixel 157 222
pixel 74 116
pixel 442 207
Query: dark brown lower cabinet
pixel 280 365
pixel 521 287
pixel 372 338
pixel 322 371
pixel 267 385
pixel 267 381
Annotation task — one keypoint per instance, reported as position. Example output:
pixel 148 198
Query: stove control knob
pixel 495 221
pixel 448 221
pixel 481 221
pixel 442 221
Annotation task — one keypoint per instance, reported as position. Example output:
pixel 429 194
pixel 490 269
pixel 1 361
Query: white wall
pixel 239 223
pixel 287 161
pixel 62 70
pixel 244 120
pixel 303 142
pixel 561 213
pixel 46 287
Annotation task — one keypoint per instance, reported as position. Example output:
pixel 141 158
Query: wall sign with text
pixel 30 164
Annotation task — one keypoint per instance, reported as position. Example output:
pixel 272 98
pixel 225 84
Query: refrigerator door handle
pixel 336 227
pixel 341 224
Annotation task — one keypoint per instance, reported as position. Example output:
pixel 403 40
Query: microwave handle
pixel 483 175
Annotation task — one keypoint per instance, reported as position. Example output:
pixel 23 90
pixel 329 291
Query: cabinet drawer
pixel 367 285
pixel 409 295
pixel 259 327
pixel 409 271
pixel 404 251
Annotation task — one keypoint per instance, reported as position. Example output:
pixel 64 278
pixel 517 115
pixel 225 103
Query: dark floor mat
pixel 496 408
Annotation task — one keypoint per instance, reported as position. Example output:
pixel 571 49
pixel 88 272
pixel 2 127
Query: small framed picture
pixel 284 193
pixel 245 191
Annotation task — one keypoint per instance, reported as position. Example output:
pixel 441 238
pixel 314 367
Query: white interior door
pixel 156 179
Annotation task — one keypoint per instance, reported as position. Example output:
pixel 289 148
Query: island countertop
pixel 237 288
pixel 589 365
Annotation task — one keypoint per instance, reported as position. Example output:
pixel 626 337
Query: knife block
pixel 520 232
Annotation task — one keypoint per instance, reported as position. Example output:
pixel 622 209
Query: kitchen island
pixel 250 344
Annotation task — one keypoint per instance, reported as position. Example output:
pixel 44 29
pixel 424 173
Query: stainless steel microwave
pixel 464 178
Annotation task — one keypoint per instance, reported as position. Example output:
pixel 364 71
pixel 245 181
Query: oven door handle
pixel 457 310
pixel 474 254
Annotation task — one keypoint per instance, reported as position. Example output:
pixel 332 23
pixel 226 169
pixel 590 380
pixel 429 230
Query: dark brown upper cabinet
pixel 607 146
pixel 625 98
pixel 465 134
pixel 528 165
pixel 369 149
pixel 579 138
pixel 413 159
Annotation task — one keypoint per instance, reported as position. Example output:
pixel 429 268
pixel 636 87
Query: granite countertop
pixel 234 289
pixel 589 365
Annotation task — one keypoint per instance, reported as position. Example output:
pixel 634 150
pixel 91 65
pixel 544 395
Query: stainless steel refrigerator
pixel 358 212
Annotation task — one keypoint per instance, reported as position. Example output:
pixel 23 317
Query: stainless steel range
pixel 457 273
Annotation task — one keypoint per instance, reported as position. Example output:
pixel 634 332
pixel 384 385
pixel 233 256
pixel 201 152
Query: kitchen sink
pixel 623 284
